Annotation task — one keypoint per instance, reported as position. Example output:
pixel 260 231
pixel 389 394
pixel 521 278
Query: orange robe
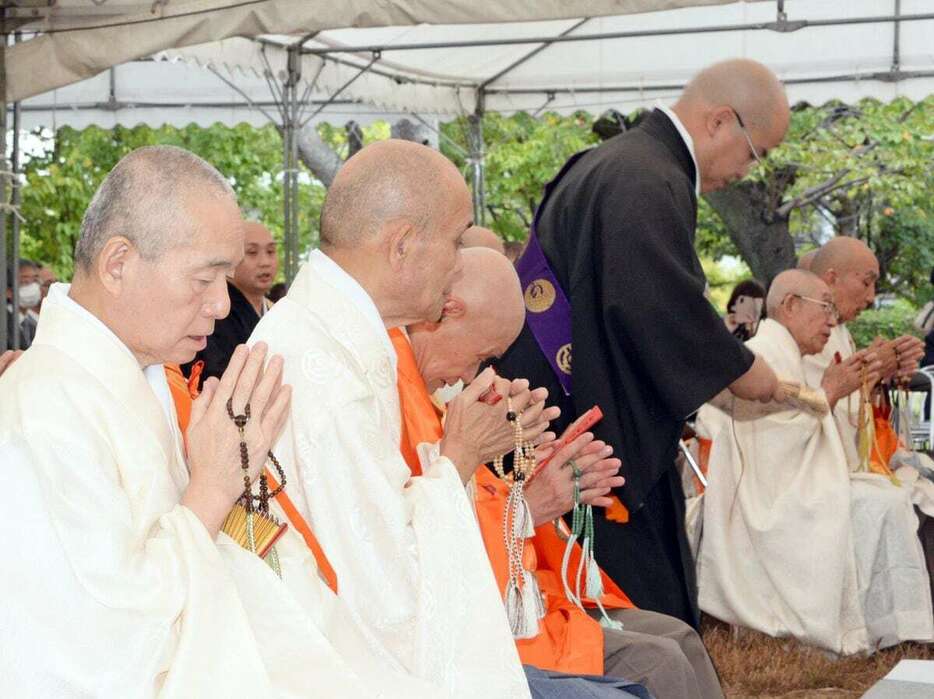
pixel 570 640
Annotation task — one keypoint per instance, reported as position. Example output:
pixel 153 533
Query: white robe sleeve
pixel 93 609
pixel 407 551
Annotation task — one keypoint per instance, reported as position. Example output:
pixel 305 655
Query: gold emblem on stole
pixel 563 358
pixel 539 295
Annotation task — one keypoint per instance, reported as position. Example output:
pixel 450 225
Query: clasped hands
pixel 899 357
pixel 214 440
pixel 476 432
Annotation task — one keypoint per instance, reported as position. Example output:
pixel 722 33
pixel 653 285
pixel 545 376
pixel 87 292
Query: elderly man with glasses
pixel 611 264
pixel 793 539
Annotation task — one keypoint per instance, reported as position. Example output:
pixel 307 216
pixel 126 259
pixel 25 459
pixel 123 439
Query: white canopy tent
pixel 207 61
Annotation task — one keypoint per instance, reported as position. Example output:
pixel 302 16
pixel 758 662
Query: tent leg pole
pixel 4 168
pixel 475 122
pixel 290 159
pixel 15 221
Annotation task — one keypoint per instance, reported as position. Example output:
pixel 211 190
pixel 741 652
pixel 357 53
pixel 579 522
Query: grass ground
pixel 752 665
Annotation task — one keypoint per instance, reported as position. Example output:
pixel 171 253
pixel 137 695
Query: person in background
pixel 513 250
pixel 46 279
pixel 251 281
pixel 29 297
pixel 745 309
pixel 277 292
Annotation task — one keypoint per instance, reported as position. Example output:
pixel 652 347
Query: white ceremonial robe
pixel 846 411
pixel 407 551
pixel 780 552
pixel 114 589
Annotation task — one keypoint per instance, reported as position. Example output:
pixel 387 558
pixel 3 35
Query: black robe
pixel 229 332
pixel 648 348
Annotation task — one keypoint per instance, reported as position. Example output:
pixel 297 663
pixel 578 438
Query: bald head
pixel 745 85
pixel 806 261
pixel 490 291
pixel 851 270
pixel 147 199
pixel 792 281
pixel 479 237
pixel 841 254
pixel 802 302
pixel 386 181
pixel 483 317
pixel 735 111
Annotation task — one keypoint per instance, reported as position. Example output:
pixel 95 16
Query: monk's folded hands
pixel 214 457
pixel 550 494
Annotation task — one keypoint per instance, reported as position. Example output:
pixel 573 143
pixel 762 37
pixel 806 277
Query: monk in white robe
pixel 406 551
pixel 850 270
pixel 118 583
pixel 792 545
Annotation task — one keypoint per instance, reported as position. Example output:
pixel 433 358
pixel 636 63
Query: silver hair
pixel 143 199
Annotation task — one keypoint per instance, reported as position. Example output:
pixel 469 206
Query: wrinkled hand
pixel 551 493
pixel 840 380
pixel 214 440
pixel 475 432
pixel 909 351
pixel 7 358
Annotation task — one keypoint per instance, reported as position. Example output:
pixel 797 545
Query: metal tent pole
pixel 477 154
pixel 4 168
pixel 15 221
pixel 290 161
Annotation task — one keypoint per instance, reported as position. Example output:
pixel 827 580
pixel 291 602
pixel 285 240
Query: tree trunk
pixel 318 156
pixel 762 238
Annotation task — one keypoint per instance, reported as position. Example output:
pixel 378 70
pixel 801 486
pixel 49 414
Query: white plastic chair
pixel 922 429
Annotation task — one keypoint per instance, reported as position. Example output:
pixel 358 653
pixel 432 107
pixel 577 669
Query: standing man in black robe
pixel 616 228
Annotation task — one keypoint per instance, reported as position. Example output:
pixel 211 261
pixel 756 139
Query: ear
pixel 113 262
pixel 717 118
pixel 831 277
pixel 400 235
pixel 454 307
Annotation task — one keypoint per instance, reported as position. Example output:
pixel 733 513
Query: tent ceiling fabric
pixel 78 39
pixel 820 63
pixel 846 62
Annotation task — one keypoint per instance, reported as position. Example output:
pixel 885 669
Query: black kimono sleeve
pixel 652 287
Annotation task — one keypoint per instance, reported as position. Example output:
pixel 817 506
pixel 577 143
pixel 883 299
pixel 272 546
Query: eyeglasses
pixel 829 308
pixel 752 148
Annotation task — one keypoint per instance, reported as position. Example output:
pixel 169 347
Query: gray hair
pixel 144 199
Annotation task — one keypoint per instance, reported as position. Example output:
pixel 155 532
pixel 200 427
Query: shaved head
pixel 851 271
pixel 146 199
pixel 483 317
pixel 842 254
pixel 792 281
pixel 748 86
pixel 735 112
pixel 394 219
pixel 802 302
pixel 478 237
pixel 386 181
pixel 806 261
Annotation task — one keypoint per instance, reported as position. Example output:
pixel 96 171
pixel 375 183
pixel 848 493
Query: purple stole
pixel 548 311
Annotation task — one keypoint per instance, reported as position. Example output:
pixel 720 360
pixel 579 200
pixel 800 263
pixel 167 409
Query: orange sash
pixel 570 640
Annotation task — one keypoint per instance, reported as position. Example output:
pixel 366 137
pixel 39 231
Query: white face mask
pixel 30 295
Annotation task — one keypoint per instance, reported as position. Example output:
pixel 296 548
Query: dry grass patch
pixel 752 664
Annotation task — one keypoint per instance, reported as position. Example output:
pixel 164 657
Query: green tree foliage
pixel 59 183
pixel 882 155
pixel 522 154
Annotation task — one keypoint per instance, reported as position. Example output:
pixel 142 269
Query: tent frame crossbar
pixel 291 105
pixel 780 25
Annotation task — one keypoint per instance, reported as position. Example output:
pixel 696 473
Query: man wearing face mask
pixel 21 331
